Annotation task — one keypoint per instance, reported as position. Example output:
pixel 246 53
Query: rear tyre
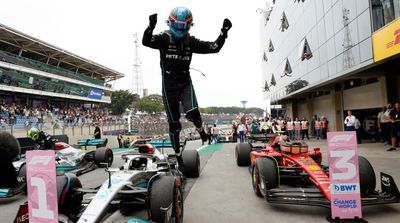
pixel 191 161
pixel 242 154
pixel 103 155
pixel 69 201
pixel 268 174
pixel 22 178
pixel 367 176
pixel 166 200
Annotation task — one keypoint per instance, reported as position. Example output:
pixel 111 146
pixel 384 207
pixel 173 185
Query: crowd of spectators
pixel 55 115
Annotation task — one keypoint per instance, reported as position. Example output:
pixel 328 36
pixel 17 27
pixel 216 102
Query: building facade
pixel 323 57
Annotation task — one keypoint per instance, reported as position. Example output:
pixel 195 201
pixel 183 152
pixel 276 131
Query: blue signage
pixel 95 93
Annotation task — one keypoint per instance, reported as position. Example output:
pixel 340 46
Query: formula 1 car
pixel 287 172
pixel 225 137
pixel 68 159
pixel 148 177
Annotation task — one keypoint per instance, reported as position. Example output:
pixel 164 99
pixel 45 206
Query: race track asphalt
pixel 223 193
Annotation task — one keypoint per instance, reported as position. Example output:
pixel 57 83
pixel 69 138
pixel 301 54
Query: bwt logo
pixel 346 188
pixel 338 138
pixel 40 159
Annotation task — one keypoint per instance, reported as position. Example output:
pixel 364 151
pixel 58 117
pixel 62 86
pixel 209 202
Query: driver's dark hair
pixel 9 147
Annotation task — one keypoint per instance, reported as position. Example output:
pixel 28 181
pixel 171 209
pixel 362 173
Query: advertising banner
pixel 344 175
pixel 386 41
pixel 42 186
pixel 95 93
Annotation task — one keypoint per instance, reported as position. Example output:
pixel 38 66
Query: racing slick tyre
pixel 191 161
pixel 21 177
pixel 367 176
pixel 267 175
pixel 242 154
pixel 166 200
pixel 255 180
pixel 69 200
pixel 103 155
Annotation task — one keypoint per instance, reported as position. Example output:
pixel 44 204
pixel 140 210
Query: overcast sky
pixel 102 31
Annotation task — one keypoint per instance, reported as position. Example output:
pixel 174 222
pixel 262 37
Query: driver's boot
pixel 203 134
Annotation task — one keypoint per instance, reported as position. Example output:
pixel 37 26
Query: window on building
pixel 273 81
pixel 384 12
pixel 265 58
pixel 270 46
pixel 305 50
pixel 352 83
pixel 284 22
pixel 287 69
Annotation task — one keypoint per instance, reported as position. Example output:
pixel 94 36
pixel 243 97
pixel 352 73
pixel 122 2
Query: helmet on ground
pixel 33 133
pixel 179 21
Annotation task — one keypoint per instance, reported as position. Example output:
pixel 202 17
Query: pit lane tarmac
pixel 9 207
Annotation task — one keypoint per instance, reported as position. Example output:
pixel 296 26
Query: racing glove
pixel 226 27
pixel 153 21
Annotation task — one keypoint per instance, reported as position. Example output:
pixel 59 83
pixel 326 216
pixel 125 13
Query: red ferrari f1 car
pixel 289 173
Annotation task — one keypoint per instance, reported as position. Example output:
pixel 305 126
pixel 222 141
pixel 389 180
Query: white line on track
pixel 201 148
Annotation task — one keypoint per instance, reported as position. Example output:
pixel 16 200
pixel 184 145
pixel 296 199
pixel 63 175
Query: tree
pixel 120 101
pixel 151 103
pixel 296 85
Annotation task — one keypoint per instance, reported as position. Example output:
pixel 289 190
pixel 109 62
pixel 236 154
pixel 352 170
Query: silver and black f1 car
pixel 149 178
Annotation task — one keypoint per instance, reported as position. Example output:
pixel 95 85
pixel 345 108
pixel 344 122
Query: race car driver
pixel 176 47
pixel 42 139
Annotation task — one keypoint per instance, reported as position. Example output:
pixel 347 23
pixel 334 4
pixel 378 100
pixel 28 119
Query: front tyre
pixel 103 155
pixel 166 200
pixel 268 174
pixel 191 161
pixel 367 176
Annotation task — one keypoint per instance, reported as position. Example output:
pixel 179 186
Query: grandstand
pixel 35 72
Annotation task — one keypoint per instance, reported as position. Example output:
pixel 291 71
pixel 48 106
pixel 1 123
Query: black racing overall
pixel 177 87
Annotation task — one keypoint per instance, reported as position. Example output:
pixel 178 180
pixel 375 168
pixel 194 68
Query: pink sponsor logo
pixel 42 186
pixel 344 175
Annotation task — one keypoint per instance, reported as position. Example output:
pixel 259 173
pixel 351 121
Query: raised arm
pixel 204 47
pixel 150 40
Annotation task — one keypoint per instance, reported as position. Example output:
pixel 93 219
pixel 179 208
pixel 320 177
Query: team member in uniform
pixel 290 129
pixel 318 128
pixel 297 129
pixel 176 48
pixel 304 129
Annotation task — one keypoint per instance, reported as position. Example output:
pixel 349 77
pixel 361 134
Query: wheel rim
pixel 178 206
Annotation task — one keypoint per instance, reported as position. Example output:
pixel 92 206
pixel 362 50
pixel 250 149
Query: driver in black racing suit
pixel 42 139
pixel 176 48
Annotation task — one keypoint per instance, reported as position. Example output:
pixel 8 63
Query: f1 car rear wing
pixel 312 196
pixel 165 143
pixel 93 142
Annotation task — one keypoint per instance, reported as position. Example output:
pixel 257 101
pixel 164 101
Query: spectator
pixel 318 128
pixel 304 129
pixel 357 128
pixel 394 117
pixel 241 130
pixel 349 121
pixel 215 133
pixel 382 125
pixel 325 127
pixel 234 132
pixel 312 125
pixel 290 129
pixel 388 125
pixel 97 132
pixel 209 133
pixel 297 129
